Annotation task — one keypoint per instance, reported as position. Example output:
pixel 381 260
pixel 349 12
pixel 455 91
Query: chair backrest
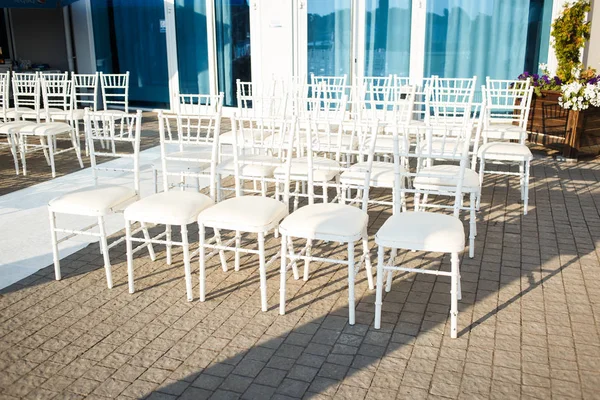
pixel 268 101
pixel 195 133
pixel 114 136
pixel 449 101
pixel 508 103
pixel 115 90
pixel 4 91
pixel 388 104
pixel 271 139
pixel 442 145
pixel 54 76
pixel 26 90
pixel 85 90
pixel 56 93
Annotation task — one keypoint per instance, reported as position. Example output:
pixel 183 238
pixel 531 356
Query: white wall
pixel 591 55
pixel 83 39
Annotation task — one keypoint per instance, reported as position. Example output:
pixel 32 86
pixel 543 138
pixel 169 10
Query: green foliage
pixel 570 32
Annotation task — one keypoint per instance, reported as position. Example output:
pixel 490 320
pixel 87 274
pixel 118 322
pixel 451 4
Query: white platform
pixel 24 226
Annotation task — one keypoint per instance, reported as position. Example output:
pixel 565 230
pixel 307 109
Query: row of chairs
pixel 51 105
pixel 307 154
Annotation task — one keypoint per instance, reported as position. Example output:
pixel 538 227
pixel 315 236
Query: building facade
pixel 203 46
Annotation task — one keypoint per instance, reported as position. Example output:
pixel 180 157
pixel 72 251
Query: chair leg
pixel 55 254
pixel 155 179
pixel 76 146
pixel 45 149
pixel 454 296
pixel 472 225
pixel 238 244
pixel 351 301
pixel 202 256
pixel 23 146
pixel 290 245
pixel 13 149
pixel 282 274
pixel 149 245
pixel 129 256
pixel 367 260
pixel 307 261
pixel 481 175
pixel 526 189
pixel 169 246
pixel 262 269
pixel 388 285
pixel 522 178
pixel 104 247
pixel 379 292
pixel 51 155
pixel 416 201
pixel 221 252
pixel 187 263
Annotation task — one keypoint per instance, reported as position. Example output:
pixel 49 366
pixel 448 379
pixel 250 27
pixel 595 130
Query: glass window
pixel 232 19
pixel 130 35
pixel 484 38
pixel 387 37
pixel 192 46
pixel 329 37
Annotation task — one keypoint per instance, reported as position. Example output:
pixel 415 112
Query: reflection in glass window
pixel 192 46
pixel 129 35
pixel 387 40
pixel 483 38
pixel 232 18
pixel 329 37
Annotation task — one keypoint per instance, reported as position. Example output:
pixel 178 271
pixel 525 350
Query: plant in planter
pixel 566 105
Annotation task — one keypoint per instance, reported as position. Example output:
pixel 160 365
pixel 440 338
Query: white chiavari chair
pixel 426 231
pixel 196 133
pixel 104 197
pixel 507 109
pixel 11 137
pixel 85 95
pixel 115 92
pixel 27 97
pixel 247 214
pixel 338 222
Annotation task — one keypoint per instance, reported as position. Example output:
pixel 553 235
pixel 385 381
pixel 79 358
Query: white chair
pixel 27 97
pixel 11 138
pixel 246 214
pixel 115 92
pixel 57 96
pixel 338 222
pixel 85 95
pixel 505 119
pixel 451 111
pixel 426 231
pixel 195 114
pixel 176 207
pixel 103 198
pixel 332 82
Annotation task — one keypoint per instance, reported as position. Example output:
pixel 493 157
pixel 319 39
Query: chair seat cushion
pixel 245 213
pixel 502 151
pixel 252 167
pixel 445 175
pixel 324 169
pixel 424 231
pixel 326 221
pixel 503 131
pixel 382 174
pixel 13 127
pixel 197 161
pixel 46 128
pixel 169 208
pixel 227 137
pixel 94 200
pixel 21 112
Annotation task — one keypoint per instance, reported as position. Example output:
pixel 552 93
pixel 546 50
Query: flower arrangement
pixel 580 87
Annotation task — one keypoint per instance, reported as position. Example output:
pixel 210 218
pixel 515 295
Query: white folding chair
pixel 177 207
pixel 233 214
pixel 195 114
pixel 338 222
pixel 426 231
pixel 115 92
pixel 11 138
pixel 505 119
pixel 103 198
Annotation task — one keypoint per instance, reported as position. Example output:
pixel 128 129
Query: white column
pixel 417 40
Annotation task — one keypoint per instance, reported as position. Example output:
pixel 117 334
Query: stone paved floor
pixel 529 319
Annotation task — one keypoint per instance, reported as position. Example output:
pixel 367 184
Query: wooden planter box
pixel 577 132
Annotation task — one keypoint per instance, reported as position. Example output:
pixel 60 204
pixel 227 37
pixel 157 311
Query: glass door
pixel 129 35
